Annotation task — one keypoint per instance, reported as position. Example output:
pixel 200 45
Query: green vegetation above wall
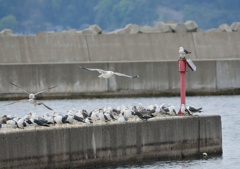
pixel 32 16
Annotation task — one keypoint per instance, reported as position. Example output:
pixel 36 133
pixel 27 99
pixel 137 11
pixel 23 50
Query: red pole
pixel 182 70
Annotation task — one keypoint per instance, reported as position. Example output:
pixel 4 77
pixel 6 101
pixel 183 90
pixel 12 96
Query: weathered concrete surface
pixel 156 78
pixel 81 146
pixel 72 47
pixel 45 48
pixel 219 46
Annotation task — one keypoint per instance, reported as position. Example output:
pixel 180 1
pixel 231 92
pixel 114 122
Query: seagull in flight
pixel 108 74
pixel 31 95
pixel 183 52
pixel 32 101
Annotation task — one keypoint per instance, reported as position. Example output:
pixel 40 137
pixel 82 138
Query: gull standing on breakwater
pixel 108 74
pixel 194 109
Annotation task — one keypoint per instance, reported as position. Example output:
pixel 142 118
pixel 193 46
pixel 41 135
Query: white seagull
pixel 31 95
pixel 32 101
pixel 183 52
pixel 194 109
pixel 108 74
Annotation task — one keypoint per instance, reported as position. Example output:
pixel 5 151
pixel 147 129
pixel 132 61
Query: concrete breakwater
pixel 71 47
pixel 156 78
pixel 44 60
pixel 81 146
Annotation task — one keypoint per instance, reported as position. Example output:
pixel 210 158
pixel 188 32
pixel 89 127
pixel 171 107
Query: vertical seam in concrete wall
pixel 108 79
pixel 194 45
pixel 199 137
pixel 88 53
pixel 216 76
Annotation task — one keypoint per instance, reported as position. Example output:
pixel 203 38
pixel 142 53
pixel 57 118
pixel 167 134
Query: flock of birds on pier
pixel 104 115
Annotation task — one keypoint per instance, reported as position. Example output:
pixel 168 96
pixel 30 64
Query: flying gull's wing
pixel 24 100
pixel 120 74
pixel 18 87
pixel 41 103
pixel 98 70
pixel 46 89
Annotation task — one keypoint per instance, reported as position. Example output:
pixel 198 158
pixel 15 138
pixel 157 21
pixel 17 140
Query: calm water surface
pixel 226 106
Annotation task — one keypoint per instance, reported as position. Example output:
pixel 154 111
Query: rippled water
pixel 226 106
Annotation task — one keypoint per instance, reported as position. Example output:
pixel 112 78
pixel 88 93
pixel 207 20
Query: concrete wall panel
pixel 204 78
pixel 155 78
pixel 228 74
pixel 43 49
pixel 75 47
pixel 216 45
pixel 137 47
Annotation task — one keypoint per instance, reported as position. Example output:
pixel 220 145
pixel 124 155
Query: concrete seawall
pixel 156 78
pixel 74 47
pixel 47 59
pixel 81 146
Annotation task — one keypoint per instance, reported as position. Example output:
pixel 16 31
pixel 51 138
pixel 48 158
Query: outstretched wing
pixel 187 52
pixel 120 74
pixel 98 70
pixel 41 103
pixel 24 100
pixel 18 87
pixel 193 109
pixel 46 89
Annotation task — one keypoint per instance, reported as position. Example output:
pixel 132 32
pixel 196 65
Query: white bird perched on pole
pixel 183 52
pixel 108 74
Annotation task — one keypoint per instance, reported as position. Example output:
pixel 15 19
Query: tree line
pixel 32 16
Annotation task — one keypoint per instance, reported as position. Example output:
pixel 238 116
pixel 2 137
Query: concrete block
pixel 132 28
pixel 149 29
pixel 96 28
pixel 128 29
pixel 93 29
pixel 6 32
pixel 191 26
pixel 178 27
pixel 73 31
pixel 119 31
pixel 225 28
pixel 235 26
pixel 162 27
pixel 213 30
